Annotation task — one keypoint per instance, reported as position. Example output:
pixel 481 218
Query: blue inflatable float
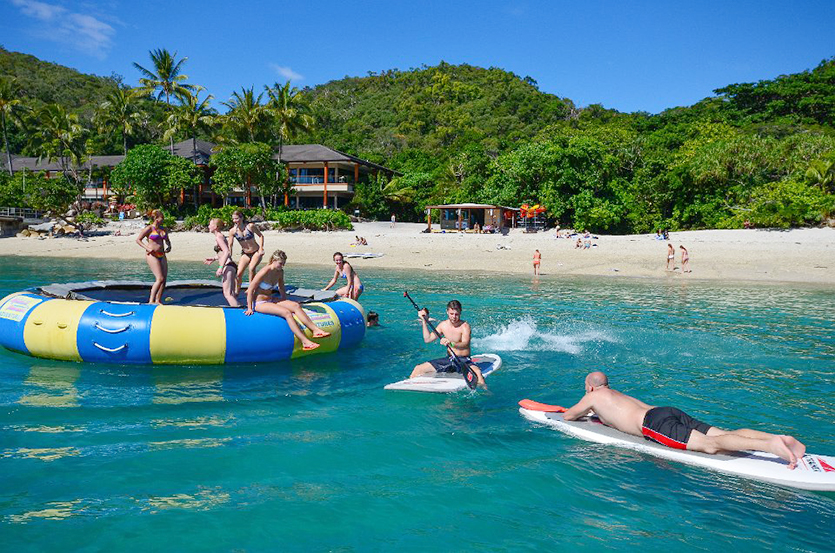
pixel 106 322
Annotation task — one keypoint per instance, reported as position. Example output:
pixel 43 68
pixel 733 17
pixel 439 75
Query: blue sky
pixel 628 55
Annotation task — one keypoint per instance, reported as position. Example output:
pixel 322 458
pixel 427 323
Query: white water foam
pixel 523 335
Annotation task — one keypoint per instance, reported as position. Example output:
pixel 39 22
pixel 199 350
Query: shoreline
pixel 798 256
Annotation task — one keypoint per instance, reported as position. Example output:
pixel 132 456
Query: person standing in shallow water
pixel 537 258
pixel 671 258
pixel 685 259
pixel 156 245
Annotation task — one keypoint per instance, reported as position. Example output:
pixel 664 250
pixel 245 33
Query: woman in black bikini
pixel 156 245
pixel 266 294
pixel 228 269
pixel 251 251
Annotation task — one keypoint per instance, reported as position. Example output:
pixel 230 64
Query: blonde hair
pixel 278 254
pixel 156 213
pixel 218 223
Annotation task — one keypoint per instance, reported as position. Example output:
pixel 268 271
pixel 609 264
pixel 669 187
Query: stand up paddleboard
pixel 813 472
pixel 445 383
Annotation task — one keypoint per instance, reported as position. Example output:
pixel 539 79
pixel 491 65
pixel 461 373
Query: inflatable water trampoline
pixel 107 322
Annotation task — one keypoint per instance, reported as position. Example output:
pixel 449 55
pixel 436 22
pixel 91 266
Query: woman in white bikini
pixel 228 269
pixel 671 257
pixel 353 286
pixel 251 251
pixel 266 294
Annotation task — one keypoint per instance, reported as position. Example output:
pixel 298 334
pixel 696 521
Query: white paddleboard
pixel 813 472
pixel 445 383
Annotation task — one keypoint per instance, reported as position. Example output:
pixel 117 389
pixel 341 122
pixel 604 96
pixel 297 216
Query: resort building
pixel 321 176
pixel 478 217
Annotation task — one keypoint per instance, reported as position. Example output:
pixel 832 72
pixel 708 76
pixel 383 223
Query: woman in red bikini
pixel 266 294
pixel 537 258
pixel 156 245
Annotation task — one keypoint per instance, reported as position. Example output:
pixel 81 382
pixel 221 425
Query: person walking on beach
pixel 353 286
pixel 685 259
pixel 671 258
pixel 266 294
pixel 393 220
pixel 537 258
pixel 156 245
pixel 673 428
pixel 228 269
pixel 454 333
pixel 251 251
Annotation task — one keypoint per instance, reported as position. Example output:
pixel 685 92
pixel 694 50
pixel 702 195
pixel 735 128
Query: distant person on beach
pixel 537 258
pixel 266 294
pixel 353 286
pixel 454 333
pixel 579 244
pixel 156 245
pixel 228 269
pixel 671 258
pixel 251 251
pixel 363 241
pixel 373 319
pixel 393 220
pixel 685 259
pixel 673 428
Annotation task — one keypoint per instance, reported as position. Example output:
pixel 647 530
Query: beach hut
pixel 464 217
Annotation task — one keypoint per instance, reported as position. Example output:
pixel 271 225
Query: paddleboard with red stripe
pixel 445 383
pixel 813 472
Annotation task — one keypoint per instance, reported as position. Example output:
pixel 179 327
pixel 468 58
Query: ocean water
pixel 313 455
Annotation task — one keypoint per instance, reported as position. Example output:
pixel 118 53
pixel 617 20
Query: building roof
pixel 471 206
pixel 291 153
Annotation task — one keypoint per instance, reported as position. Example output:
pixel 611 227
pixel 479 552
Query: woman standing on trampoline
pixel 156 245
pixel 251 251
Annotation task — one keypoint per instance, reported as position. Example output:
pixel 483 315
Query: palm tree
pixel 58 135
pixel 165 77
pixel 247 118
pixel 290 113
pixel 193 115
pixel 9 107
pixel 121 111
pixel 821 172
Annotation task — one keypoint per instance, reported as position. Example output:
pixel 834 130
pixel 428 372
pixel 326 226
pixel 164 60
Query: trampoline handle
pixel 128 314
pixel 111 330
pixel 110 350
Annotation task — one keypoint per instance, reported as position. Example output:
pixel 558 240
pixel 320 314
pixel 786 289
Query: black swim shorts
pixel 447 364
pixel 671 427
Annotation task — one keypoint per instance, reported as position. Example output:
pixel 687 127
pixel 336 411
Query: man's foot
pixel 779 448
pixel 795 446
pixel 310 346
pixel 320 333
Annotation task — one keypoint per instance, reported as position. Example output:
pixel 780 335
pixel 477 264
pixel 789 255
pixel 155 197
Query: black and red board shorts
pixel 671 427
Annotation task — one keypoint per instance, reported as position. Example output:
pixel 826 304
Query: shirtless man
pixel 673 428
pixel 455 333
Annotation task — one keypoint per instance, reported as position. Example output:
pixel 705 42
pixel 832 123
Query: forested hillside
pixel 761 153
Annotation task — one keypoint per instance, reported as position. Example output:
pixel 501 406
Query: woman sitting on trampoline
pixel 266 294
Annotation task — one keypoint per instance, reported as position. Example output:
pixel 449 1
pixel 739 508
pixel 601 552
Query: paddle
pixel 469 375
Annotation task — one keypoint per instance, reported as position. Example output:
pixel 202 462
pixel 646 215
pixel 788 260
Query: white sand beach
pixel 798 255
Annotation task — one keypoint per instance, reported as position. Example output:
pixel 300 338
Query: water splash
pixel 523 334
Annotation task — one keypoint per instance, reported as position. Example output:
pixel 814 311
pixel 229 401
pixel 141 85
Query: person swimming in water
pixel 228 269
pixel 672 427
pixel 251 251
pixel 156 245
pixel 266 294
pixel 353 286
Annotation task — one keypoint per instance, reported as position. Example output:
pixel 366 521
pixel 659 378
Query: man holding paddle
pixel 673 428
pixel 455 335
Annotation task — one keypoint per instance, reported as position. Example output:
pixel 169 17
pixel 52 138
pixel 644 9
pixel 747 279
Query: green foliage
pixel 152 175
pixel 248 164
pixel 315 219
pixel 89 218
pixel 788 203
pixel 35 190
pixel 206 213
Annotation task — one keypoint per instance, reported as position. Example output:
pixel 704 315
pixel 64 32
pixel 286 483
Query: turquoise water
pixel 313 455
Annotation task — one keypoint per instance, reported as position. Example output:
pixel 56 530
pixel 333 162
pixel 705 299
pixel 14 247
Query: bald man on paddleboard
pixel 672 427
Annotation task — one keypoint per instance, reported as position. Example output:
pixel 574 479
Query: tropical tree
pixel 247 165
pixel 119 111
pixel 9 110
pixel 289 111
pixel 247 119
pixel 165 78
pixel 58 135
pixel 152 175
pixel 821 172
pixel 192 116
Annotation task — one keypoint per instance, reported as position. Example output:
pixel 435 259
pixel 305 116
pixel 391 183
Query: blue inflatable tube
pixel 41 325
